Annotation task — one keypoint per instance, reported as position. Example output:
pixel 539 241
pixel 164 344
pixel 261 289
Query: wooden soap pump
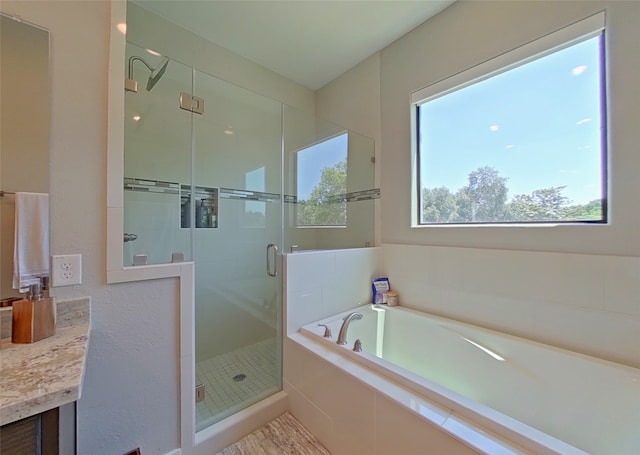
pixel 33 318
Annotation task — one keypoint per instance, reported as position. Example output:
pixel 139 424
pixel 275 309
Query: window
pixel 322 183
pixel 518 139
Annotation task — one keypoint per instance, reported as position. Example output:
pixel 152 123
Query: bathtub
pixel 529 395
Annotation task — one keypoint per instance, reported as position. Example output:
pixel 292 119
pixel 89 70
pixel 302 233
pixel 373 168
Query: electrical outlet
pixel 66 269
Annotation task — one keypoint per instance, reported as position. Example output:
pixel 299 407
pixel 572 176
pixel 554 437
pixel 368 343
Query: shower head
pixel 131 85
pixel 157 73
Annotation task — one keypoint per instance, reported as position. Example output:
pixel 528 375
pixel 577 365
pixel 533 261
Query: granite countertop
pixel 46 374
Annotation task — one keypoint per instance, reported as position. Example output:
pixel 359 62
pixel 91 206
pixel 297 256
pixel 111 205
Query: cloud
pixel 578 70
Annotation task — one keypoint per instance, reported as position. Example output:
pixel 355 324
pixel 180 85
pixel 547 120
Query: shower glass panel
pixel 223 175
pixel 329 184
pixel 237 153
pixel 157 154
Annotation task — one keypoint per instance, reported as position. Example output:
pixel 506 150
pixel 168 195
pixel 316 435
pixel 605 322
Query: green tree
pixel 591 211
pixel 541 205
pixel 484 197
pixel 326 205
pixel 438 205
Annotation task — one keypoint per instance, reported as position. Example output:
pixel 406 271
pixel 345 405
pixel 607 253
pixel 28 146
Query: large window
pixel 521 140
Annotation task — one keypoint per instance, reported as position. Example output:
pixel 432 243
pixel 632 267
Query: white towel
pixel 31 242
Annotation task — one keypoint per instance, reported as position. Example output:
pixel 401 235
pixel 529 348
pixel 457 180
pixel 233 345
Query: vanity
pixel 40 383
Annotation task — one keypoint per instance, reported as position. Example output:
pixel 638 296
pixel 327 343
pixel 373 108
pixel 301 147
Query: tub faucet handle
pixel 327 330
pixel 357 346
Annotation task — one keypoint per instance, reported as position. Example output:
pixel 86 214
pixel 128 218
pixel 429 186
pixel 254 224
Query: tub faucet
pixel 342 336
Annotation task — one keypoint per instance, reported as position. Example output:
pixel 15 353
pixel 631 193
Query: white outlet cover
pixel 66 269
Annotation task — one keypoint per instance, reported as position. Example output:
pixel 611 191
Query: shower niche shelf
pixel 205 207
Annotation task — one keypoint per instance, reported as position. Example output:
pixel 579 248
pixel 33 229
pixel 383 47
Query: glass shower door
pixel 236 198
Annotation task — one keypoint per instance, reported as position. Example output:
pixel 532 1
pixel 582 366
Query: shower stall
pixel 229 179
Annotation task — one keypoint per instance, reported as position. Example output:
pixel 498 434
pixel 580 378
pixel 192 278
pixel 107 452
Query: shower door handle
pixel 274 248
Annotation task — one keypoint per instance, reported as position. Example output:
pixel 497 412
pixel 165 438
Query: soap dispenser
pixel 33 318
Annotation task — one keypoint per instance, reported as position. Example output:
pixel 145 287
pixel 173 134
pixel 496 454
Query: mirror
pixel 25 128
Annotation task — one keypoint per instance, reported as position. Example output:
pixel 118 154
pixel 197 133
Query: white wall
pixel 576 287
pixel 131 390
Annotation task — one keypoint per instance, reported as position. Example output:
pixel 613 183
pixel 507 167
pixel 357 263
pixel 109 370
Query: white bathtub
pixel 545 399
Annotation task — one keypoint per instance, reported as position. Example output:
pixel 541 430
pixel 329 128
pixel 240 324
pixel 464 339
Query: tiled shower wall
pixel 585 303
pixel 321 283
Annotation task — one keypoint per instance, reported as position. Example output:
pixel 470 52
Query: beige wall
pixel 130 396
pixel 590 301
pixel 353 101
pixel 468 33
pixel 130 392
pixel 24 128
pixel 192 50
pixel 462 36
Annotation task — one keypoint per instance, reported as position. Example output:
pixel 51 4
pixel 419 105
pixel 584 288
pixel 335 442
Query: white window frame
pixel 565 37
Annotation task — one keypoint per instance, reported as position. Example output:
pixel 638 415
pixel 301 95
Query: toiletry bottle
pixel 202 215
pixel 392 298
pixel 33 318
pixel 185 213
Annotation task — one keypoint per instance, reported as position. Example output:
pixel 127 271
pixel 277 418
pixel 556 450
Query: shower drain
pixel 239 377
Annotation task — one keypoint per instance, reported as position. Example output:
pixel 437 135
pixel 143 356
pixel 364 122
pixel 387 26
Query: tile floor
pixel 226 390
pixel 282 436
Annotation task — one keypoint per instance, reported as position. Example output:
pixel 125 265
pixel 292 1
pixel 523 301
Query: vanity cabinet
pixel 40 384
pixel 51 432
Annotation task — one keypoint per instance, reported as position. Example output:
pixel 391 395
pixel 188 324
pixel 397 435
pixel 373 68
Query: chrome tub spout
pixel 342 336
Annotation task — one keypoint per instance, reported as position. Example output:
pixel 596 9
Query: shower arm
pixel 133 59
pixel 131 85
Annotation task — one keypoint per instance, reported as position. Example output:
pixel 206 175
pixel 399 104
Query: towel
pixel 31 241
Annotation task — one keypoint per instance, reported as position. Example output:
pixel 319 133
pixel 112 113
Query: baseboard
pixel 174 452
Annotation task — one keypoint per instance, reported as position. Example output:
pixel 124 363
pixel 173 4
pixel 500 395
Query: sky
pixel 538 125
pixel 312 160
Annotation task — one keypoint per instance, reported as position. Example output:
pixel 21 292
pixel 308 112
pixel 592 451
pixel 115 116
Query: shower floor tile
pixel 236 379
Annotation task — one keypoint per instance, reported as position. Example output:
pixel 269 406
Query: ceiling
pixel 310 42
